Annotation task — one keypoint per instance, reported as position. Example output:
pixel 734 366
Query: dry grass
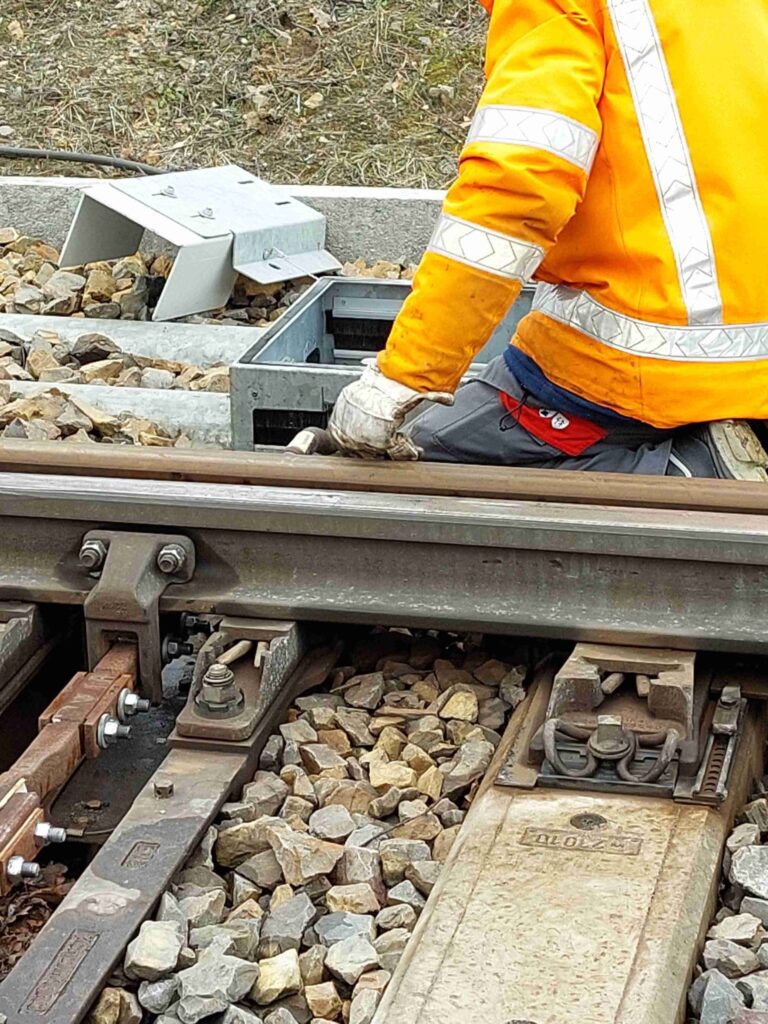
pixel 321 91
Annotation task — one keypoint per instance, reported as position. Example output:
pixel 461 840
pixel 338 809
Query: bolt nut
pixel 110 730
pixel 130 704
pixel 174 647
pixel 191 623
pixel 218 693
pixel 171 558
pixel 163 789
pixel 609 740
pixel 92 555
pixel 45 832
pixel 17 868
pixel 219 674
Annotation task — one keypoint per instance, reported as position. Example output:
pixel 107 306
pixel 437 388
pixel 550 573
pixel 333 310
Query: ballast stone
pixel 757 813
pixel 756 907
pixel 239 937
pixel 154 952
pixel 267 793
pixel 424 875
pixel 744 929
pixel 208 908
pixel 323 1000
pixel 730 959
pixel 747 834
pixel 749 869
pixel 350 958
pixel 334 928
pixel 358 898
pixel 215 981
pixel 284 927
pixel 239 1015
pixel 397 854
pixel 262 869
pixel 114 1006
pixel 755 990
pixel 280 1016
pixel 400 916
pixel 278 976
pixel 364 1006
pixel 405 893
pixel 302 857
pixel 390 946
pixel 332 823
pixel 157 996
pixel 720 1000
pixel 311 964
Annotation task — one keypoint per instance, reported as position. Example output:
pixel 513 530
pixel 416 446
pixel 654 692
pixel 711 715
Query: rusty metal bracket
pixel 133 570
pixel 276 651
pixel 591 683
pixel 629 720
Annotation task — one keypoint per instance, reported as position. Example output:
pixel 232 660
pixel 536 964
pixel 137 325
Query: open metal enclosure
pixel 221 220
pixel 291 378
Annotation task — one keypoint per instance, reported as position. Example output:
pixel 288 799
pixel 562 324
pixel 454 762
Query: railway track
pixel 659 582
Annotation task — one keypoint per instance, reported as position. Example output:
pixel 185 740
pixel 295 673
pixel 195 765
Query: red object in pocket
pixel 571 435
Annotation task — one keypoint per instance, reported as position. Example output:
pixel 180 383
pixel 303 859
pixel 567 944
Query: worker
pixel 618 157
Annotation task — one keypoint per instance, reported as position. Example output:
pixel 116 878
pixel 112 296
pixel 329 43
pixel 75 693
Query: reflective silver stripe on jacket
pixel 540 129
pixel 667 150
pixel 715 343
pixel 484 249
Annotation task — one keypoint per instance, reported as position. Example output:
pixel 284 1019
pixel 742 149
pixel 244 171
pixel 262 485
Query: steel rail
pixel 322 473
pixel 616 575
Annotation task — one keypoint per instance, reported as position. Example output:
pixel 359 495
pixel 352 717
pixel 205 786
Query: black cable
pixel 26 153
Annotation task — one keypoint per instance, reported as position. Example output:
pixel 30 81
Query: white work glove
pixel 370 411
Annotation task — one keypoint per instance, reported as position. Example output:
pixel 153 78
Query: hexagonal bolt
pixel 191 623
pixel 130 704
pixel 171 558
pixel 174 647
pixel 609 740
pixel 17 868
pixel 45 832
pixel 218 692
pixel 110 730
pixel 163 789
pixel 92 555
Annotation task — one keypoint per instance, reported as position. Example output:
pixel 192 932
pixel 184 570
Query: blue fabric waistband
pixel 532 380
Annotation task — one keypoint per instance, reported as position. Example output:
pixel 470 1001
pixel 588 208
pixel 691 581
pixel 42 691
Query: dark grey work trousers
pixel 479 429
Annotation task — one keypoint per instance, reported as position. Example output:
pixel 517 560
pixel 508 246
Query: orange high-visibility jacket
pixel 619 156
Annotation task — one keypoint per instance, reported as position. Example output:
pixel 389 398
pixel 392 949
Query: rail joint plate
pixel 124 603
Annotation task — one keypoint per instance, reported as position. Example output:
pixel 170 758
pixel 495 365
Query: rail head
pixel 676 534
pixel 279 469
pixel 694 580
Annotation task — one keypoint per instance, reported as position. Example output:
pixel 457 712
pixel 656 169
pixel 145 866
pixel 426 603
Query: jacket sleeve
pixel 522 174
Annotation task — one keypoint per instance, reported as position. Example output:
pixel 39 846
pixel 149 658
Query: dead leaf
pixel 321 18
pixel 259 97
pixel 314 101
pixel 25 910
pixel 15 31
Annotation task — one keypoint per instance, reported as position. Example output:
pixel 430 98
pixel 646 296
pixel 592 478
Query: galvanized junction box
pixel 291 378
